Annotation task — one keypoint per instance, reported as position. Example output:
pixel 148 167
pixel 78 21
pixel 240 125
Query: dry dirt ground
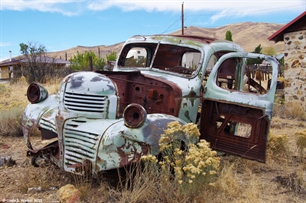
pixel 22 182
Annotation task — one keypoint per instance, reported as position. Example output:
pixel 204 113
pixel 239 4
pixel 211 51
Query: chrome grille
pixel 85 102
pixel 79 145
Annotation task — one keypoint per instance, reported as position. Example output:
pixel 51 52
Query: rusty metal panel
pixel 220 130
pixel 154 94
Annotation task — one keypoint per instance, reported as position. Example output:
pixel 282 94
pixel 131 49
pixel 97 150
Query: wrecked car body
pixel 108 119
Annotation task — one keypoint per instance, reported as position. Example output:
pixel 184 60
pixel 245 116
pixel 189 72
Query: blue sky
pixel 63 24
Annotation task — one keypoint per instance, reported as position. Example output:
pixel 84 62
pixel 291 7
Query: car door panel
pixel 234 120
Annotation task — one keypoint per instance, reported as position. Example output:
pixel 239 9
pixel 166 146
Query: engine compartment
pixel 156 95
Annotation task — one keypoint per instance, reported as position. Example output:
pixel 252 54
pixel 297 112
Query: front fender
pixel 121 146
pixel 109 144
pixel 34 112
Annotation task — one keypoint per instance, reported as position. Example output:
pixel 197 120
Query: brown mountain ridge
pixel 247 34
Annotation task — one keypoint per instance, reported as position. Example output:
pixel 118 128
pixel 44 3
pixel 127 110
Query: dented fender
pixel 109 144
pixel 34 113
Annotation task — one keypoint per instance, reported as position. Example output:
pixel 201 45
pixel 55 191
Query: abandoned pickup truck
pixel 108 119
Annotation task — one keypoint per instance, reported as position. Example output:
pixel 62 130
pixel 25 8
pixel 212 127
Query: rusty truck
pixel 108 119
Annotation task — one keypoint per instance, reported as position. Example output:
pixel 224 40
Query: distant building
pixel 137 53
pixel 7 68
pixel 293 35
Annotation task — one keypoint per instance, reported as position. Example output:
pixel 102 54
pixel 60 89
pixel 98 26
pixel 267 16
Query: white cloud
pixel 195 5
pixel 66 7
pixel 223 8
pixel 5 44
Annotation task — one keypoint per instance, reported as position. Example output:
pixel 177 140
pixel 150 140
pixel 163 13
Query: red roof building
pixel 293 35
pixel 297 24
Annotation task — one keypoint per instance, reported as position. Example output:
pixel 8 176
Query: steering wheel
pixel 181 69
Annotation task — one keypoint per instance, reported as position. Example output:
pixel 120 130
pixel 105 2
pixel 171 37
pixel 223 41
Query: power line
pixel 171 25
pixel 254 11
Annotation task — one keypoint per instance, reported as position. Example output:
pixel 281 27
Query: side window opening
pixel 211 63
pixel 258 77
pixel 227 74
pixel 233 127
pixel 233 74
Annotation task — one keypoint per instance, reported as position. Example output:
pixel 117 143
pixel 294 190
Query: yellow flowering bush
pixel 188 161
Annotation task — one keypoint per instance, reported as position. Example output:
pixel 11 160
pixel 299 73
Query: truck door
pixel 236 114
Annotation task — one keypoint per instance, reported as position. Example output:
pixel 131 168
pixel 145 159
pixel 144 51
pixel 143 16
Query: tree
pixel 36 65
pixel 228 35
pixel 112 56
pixel 81 61
pixel 257 49
pixel 255 61
pixel 269 51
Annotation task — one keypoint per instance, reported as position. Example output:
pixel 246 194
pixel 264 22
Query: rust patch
pixel 219 123
pixel 133 155
pixel 86 166
pixel 49 149
pixel 155 94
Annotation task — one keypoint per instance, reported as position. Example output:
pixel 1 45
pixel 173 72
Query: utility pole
pixel 183 18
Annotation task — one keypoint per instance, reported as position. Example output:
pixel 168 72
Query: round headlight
pixel 134 115
pixel 36 93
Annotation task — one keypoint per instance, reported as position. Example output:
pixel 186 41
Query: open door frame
pixel 233 120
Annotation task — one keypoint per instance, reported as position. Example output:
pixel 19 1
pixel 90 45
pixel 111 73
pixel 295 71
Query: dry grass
pixel 83 183
pixel 301 143
pixel 281 179
pixel 296 112
pixel 12 104
pixel 42 179
pixel 10 121
pixel 278 146
pixel 289 112
pixel 13 101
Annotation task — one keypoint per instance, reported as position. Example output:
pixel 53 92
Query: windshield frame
pixel 159 56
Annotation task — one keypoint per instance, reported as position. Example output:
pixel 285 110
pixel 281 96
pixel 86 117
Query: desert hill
pixel 246 34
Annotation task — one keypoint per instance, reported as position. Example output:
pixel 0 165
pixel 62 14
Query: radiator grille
pixel 79 145
pixel 85 102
